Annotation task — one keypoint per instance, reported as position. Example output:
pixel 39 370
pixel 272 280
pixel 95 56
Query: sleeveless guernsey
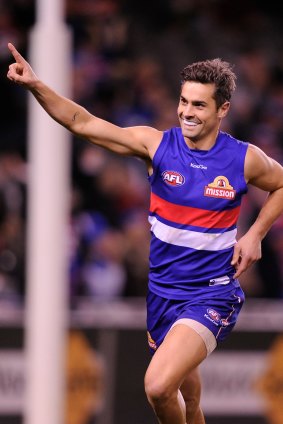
pixel 194 208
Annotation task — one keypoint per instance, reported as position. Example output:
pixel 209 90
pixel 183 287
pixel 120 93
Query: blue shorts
pixel 218 312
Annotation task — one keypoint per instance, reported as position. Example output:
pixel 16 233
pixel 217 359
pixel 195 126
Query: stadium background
pixel 127 57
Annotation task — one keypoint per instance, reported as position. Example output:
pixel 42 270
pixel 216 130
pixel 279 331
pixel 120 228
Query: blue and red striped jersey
pixel 194 208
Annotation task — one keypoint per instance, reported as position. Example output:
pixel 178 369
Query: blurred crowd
pixel 127 58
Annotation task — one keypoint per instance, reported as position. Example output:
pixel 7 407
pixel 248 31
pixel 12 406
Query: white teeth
pixel 190 123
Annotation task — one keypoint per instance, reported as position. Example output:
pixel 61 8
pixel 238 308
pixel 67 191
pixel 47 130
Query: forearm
pixel 138 141
pixel 92 128
pixel 270 211
pixel 64 111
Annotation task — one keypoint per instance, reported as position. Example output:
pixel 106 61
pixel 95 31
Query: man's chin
pixel 190 134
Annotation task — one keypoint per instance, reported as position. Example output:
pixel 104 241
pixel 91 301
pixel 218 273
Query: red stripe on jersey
pixel 187 215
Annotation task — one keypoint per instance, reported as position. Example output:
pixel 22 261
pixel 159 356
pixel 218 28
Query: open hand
pixel 20 71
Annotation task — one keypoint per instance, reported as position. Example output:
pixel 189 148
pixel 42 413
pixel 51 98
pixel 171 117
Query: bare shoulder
pixel 145 132
pixel 141 141
pixel 261 170
pixel 256 162
pixel 149 137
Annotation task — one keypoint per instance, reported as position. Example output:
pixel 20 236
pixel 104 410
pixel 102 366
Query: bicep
pixel 138 141
pixel 262 171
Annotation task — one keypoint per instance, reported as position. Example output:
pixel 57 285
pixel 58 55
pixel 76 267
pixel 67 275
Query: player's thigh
pixel 182 350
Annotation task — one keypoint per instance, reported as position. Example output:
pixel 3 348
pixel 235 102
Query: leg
pixel 180 353
pixel 191 391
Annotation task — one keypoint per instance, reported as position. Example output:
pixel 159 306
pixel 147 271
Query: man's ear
pixel 223 110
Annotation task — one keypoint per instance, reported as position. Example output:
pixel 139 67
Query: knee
pixel 157 391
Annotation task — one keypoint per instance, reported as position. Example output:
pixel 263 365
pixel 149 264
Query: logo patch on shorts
pixel 215 318
pixel 151 342
pixel 224 322
pixel 213 315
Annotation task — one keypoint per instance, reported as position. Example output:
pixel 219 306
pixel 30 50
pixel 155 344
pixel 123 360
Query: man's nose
pixel 188 110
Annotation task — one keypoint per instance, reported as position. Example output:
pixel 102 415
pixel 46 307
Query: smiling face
pixel 198 114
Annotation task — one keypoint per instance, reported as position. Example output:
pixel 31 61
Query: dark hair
pixel 214 71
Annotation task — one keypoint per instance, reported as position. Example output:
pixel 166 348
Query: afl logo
pixel 173 178
pixel 215 316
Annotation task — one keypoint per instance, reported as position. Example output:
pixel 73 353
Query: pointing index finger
pixel 17 56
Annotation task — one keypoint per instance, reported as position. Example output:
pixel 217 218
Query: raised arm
pixel 267 174
pixel 138 141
